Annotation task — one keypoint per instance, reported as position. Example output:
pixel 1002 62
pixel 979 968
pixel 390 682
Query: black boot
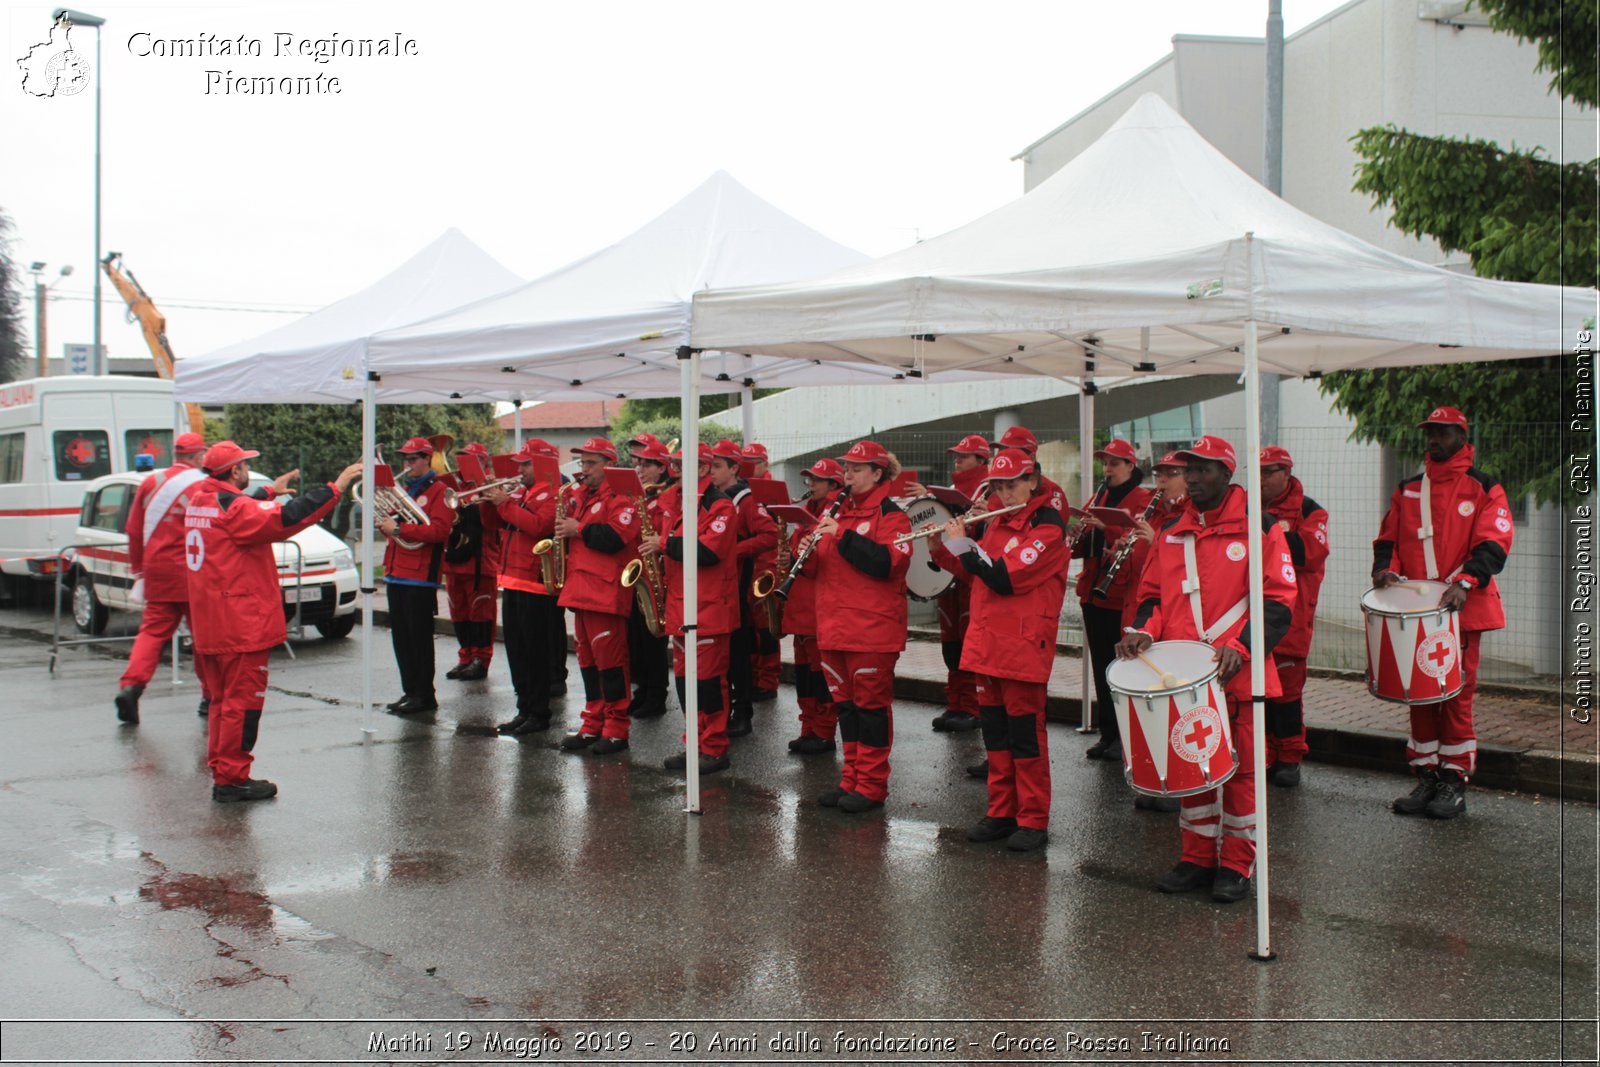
pixel 1416 802
pixel 740 722
pixel 127 702
pixel 1450 799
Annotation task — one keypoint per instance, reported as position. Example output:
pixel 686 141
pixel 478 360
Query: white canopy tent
pixel 1149 253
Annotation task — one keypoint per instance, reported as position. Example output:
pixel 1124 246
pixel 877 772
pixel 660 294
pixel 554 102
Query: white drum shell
pixel 926 580
pixel 1407 631
pixel 1149 715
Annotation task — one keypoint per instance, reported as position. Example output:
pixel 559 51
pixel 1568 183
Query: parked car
pixel 316 570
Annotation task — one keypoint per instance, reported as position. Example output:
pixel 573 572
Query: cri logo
pixel 80 451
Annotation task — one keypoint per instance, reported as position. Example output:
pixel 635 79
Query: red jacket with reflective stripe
pixel 160 561
pixel 235 601
pixel 1472 534
pixel 608 540
pixel 1020 579
pixel 1222 563
pixel 527 517
pixel 421 564
pixel 1304 523
pixel 716 582
pixel 861 577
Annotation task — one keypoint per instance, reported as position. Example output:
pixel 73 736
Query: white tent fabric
pixel 322 358
pixel 610 325
pixel 1146 254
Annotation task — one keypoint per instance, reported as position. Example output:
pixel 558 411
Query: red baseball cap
pixel 224 456
pixel 1117 448
pixel 1171 459
pixel 417 446
pixel 475 449
pixel 188 444
pixel 706 454
pixel 827 468
pixel 728 450
pixel 597 446
pixel 1209 447
pixel 654 452
pixel 1019 437
pixel 971 445
pixel 1276 456
pixel 535 448
pixel 866 452
pixel 1011 463
pixel 644 439
pixel 1445 417
pixel 756 450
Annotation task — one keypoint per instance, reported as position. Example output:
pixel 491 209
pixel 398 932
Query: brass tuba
pixel 390 501
pixel 650 594
pixel 552 551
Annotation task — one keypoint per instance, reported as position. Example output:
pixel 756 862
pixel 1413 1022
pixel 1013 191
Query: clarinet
pixel 800 560
pixel 1103 586
pixel 1083 529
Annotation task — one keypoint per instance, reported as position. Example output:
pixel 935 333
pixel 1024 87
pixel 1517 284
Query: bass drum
pixel 925 579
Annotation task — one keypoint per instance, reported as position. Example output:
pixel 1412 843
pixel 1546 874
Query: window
pixel 111 507
pixel 11 449
pixel 157 443
pixel 81 454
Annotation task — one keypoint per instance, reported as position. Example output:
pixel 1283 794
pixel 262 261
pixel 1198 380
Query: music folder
pixel 768 492
pixel 469 469
pixel 795 515
pixel 950 497
pixel 1114 518
pixel 625 480
pixel 506 467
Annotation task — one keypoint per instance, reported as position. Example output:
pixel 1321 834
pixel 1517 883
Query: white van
pixel 56 436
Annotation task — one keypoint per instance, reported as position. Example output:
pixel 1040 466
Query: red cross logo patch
pixel 194 550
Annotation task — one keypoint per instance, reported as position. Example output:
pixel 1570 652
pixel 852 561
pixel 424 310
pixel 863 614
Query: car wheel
pixel 338 626
pixel 87 612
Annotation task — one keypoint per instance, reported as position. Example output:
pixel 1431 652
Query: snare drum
pixel 925 579
pixel 1176 740
pixel 1413 644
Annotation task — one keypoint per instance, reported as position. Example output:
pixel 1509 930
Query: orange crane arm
pixel 154 325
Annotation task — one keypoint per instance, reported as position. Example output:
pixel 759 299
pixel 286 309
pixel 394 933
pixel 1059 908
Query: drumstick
pixel 1168 680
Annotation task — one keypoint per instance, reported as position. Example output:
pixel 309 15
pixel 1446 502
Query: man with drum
pixel 1450 524
pixel 818 717
pixel 1196 587
pixel 1102 605
pixel 861 619
pixel 1305 527
pixel 1020 566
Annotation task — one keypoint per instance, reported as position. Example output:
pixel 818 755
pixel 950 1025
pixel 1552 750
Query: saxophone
pixel 552 551
pixel 766 584
pixel 651 594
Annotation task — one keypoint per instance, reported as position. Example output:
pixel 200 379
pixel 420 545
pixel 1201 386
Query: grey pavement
pixel 433 881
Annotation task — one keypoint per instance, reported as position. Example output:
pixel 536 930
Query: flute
pixel 970 517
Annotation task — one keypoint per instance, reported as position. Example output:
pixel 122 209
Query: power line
pixel 268 309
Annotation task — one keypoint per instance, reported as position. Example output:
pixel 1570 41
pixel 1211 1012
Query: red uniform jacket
pixel 235 602
pixel 1471 534
pixel 718 575
pixel 861 577
pixel 421 564
pixel 800 610
pixel 1021 571
pixel 527 517
pixel 1304 523
pixel 606 543
pixel 758 538
pixel 1165 512
pixel 1222 564
pixel 472 550
pixel 1097 550
pixel 160 561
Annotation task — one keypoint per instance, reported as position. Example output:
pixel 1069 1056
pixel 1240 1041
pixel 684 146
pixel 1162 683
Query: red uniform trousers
pixel 1286 721
pixel 237 682
pixel 1221 823
pixel 472 603
pixel 1442 735
pixel 955 611
pixel 818 715
pixel 711 682
pixel 1019 753
pixel 160 622
pixel 603 662
pixel 862 684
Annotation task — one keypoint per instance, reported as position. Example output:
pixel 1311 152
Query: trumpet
pixel 395 503
pixel 455 499
pixel 968 518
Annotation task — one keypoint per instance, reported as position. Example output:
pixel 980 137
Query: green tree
pixel 1518 215
pixel 13 343
pixel 641 415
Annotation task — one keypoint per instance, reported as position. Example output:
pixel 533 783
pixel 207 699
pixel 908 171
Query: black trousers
pixel 556 644
pixel 647 655
pixel 741 671
pixel 526 620
pixel 1103 626
pixel 411 612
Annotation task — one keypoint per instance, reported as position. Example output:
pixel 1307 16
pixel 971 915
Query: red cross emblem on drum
pixel 1436 654
pixel 1197 735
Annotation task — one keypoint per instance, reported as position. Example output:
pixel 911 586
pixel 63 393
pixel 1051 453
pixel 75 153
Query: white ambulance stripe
pixel 1457 750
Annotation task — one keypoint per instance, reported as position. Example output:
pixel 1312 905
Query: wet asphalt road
pixel 438 881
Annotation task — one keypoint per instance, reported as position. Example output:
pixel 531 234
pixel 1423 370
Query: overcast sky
pixel 544 131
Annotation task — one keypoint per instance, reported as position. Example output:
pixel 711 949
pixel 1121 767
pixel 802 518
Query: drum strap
pixel 1191 585
pixel 1425 530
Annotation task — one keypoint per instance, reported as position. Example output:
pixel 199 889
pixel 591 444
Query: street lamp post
pixel 83 18
pixel 40 333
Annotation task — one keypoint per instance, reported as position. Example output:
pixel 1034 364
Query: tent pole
pixel 369 584
pixel 1258 667
pixel 516 426
pixel 747 399
pixel 689 417
pixel 1085 481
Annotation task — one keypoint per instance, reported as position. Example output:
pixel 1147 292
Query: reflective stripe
pixel 1425 761
pixel 1203 811
pixel 1426 530
pixel 1246 833
pixel 1458 750
pixel 1204 830
pixel 1191 585
pixel 1422 746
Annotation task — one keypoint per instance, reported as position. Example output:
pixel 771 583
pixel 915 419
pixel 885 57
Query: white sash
pixel 1191 585
pixel 1425 530
pixel 165 496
